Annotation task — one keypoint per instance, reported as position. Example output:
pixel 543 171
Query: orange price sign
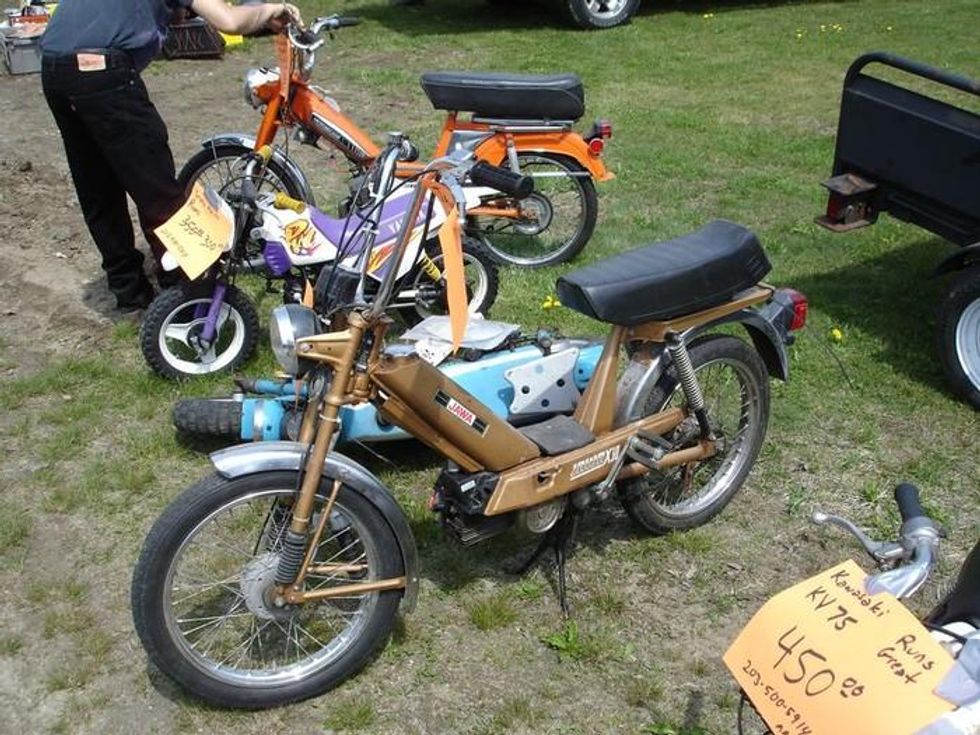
pixel 199 231
pixel 826 658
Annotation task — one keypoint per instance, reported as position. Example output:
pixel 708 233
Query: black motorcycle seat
pixel 666 280
pixel 509 96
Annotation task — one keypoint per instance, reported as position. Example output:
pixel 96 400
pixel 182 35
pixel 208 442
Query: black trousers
pixel 116 143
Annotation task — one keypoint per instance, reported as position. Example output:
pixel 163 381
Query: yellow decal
pixel 300 236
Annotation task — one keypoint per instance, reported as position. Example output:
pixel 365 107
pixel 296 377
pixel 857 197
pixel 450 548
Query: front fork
pixel 210 315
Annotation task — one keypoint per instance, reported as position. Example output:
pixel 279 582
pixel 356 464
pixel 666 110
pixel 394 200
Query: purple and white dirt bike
pixel 210 325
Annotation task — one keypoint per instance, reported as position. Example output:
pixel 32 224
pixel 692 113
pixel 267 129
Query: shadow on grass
pixel 441 17
pixel 893 298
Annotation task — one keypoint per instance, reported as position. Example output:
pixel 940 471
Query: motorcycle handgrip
pixel 907 497
pixel 345 21
pixel 517 185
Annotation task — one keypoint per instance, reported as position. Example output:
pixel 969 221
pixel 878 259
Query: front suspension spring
pixel 291 557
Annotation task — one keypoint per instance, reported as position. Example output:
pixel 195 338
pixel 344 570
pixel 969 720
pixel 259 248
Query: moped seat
pixel 510 96
pixel 666 280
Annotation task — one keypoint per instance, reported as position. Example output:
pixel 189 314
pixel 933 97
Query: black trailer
pixel 917 158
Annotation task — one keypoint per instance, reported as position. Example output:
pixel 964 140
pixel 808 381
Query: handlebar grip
pixel 284 201
pixel 306 38
pixel 345 21
pixel 907 497
pixel 485 174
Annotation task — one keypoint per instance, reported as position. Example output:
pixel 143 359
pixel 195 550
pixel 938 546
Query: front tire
pixel 175 319
pixel 958 336
pixel 208 417
pixel 562 213
pixel 221 167
pixel 201 593
pixel 735 384
pixel 598 14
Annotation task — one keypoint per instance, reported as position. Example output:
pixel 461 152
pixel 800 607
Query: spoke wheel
pixel 222 168
pixel 736 391
pixel 204 592
pixel 557 219
pixel 171 333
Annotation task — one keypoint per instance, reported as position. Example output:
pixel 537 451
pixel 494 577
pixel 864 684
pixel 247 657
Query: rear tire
pixel 598 14
pixel 208 417
pixel 679 499
pixel 231 608
pixel 958 336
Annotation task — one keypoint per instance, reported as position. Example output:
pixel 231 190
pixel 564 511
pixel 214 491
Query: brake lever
pixel 880 551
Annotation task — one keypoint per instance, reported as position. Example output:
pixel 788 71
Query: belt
pixel 114 59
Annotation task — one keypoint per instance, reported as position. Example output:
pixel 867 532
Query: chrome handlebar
pixel 914 553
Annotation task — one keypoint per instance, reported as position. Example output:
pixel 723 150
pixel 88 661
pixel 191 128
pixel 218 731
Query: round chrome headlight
pixel 255 78
pixel 289 324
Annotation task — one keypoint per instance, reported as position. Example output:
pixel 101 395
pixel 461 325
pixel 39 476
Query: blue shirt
pixel 135 26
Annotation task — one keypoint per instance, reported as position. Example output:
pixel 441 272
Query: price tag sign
pixel 826 658
pixel 199 231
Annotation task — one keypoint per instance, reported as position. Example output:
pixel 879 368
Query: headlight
pixel 290 323
pixel 255 79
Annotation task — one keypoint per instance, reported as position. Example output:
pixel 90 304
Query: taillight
pixel 601 129
pixel 596 146
pixel 800 309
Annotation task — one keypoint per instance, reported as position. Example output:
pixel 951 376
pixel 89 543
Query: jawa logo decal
pixel 300 236
pixel 591 464
pixel 461 412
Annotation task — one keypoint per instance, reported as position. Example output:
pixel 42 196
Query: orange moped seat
pixel 509 96
pixel 666 280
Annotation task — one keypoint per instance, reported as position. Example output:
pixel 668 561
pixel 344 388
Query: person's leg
pixel 133 138
pixel 101 196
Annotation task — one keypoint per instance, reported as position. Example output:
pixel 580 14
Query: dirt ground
pixel 656 612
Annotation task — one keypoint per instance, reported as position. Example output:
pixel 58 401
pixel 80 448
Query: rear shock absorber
pixel 689 381
pixel 429 267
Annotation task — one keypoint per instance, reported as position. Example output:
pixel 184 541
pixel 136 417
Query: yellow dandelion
pixel 708 15
pixel 550 302
pixel 837 335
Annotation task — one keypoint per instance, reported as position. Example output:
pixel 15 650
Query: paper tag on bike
pixel 199 231
pixel 826 658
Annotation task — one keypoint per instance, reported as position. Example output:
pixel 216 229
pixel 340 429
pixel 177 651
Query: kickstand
pixel 558 539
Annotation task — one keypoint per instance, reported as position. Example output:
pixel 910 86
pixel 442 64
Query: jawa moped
pixel 280 575
pixel 521 122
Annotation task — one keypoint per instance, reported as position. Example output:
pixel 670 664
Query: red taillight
pixel 604 128
pixel 800 309
pixel 596 145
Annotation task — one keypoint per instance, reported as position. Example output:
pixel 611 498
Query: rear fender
pixel 248 459
pixel 569 144
pixel 650 362
pixel 960 260
pixel 293 171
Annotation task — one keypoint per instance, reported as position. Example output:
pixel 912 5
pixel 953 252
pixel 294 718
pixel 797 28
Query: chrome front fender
pixel 293 171
pixel 247 459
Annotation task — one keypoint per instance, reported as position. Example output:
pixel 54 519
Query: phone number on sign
pixel 795 724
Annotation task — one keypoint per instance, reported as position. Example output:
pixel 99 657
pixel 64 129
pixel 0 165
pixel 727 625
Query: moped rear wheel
pixel 203 592
pixel 735 384
pixel 482 284
pixel 558 218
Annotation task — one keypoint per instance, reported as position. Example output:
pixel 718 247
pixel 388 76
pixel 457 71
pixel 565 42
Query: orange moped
pixel 521 122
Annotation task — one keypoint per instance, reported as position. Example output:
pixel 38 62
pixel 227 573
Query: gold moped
pixel 280 575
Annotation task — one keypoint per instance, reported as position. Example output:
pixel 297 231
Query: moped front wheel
pixel 171 336
pixel 735 384
pixel 204 600
pixel 555 222
pixel 222 167
pixel 958 336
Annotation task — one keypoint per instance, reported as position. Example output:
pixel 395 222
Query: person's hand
pixel 283 14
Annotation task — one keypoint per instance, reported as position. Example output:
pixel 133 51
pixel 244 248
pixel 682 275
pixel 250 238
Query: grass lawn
pixel 720 109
